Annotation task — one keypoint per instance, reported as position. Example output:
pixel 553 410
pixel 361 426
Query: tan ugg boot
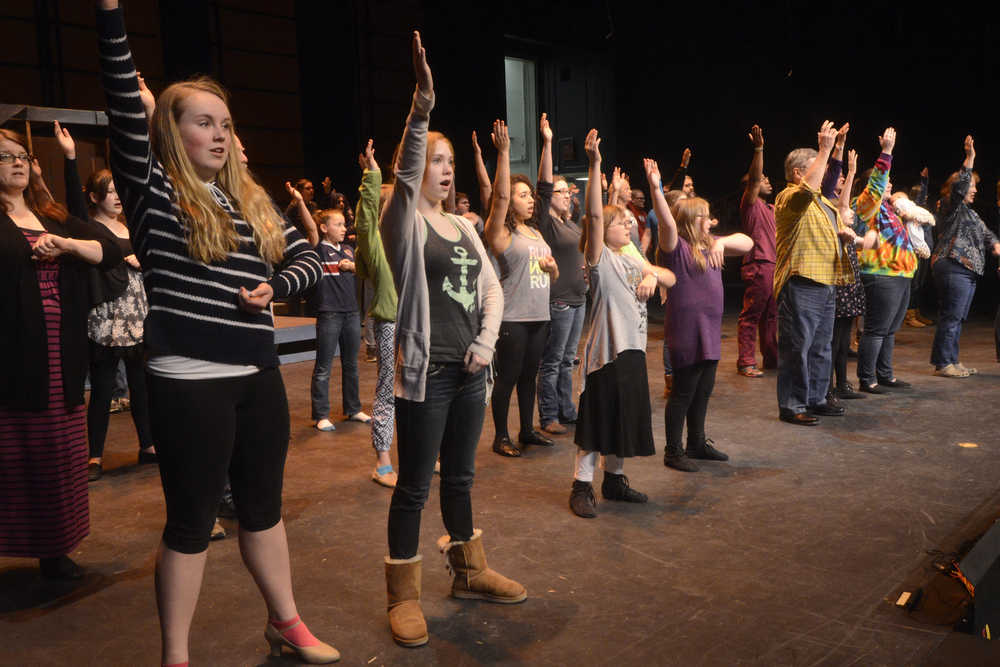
pixel 911 319
pixel 406 618
pixel 474 580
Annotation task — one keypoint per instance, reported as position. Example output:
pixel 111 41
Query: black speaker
pixel 981 567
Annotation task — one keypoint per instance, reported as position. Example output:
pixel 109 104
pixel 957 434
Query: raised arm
pixel 497 235
pixel 76 201
pixel 961 186
pixel 366 218
pixel 868 202
pixel 299 205
pixel 399 219
pixel 594 230
pixel 677 182
pixel 835 165
pixel 756 173
pixel 665 219
pixel 921 198
pixel 545 164
pixel 483 176
pixel 813 177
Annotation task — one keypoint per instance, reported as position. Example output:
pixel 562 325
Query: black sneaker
pixel 706 451
pixel 616 487
pixel 533 437
pixel 582 501
pixel 680 462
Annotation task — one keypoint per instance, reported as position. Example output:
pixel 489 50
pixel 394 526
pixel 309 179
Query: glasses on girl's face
pixel 9 158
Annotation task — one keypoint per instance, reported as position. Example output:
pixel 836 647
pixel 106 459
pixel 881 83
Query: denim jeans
pixel 886 300
pixel 448 422
pixel 555 377
pixel 333 329
pixel 955 287
pixel 805 334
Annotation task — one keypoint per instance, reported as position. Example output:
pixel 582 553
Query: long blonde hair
pixel 608 215
pixel 209 229
pixel 686 213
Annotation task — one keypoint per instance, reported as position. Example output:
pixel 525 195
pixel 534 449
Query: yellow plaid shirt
pixel 806 243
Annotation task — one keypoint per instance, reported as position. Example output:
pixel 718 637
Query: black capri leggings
pixel 206 429
pixel 519 352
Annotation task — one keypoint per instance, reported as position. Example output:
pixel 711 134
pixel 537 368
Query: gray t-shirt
pixel 525 285
pixel 618 316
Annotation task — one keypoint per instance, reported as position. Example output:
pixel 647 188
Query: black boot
pixel 706 450
pixel 678 460
pixel 582 501
pixel 60 567
pixel 504 447
pixel 616 487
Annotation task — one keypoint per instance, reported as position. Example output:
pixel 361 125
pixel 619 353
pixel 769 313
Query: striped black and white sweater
pixel 193 306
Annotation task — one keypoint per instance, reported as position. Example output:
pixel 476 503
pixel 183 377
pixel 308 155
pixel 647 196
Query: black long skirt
pixel 615 415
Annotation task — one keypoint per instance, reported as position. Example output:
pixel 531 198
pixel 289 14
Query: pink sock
pixel 295 631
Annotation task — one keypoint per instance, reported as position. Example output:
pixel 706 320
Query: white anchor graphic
pixel 463 295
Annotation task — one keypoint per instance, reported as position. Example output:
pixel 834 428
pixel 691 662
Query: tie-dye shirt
pixel 893 255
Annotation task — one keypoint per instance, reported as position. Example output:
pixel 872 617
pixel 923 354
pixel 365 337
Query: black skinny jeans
pixel 103 368
pixel 689 396
pixel 206 429
pixel 840 346
pixel 519 353
pixel 448 423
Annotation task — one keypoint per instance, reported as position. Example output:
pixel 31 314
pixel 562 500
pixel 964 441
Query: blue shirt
pixel 336 289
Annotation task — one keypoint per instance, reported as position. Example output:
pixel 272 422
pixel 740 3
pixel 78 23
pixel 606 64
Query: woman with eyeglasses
pixel 567 294
pixel 693 321
pixel 44 257
pixel 615 419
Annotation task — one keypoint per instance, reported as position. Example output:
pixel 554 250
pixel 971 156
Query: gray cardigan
pixel 403 235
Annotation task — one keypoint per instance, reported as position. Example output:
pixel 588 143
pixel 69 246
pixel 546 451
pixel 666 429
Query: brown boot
pixel 911 319
pixel 474 580
pixel 406 618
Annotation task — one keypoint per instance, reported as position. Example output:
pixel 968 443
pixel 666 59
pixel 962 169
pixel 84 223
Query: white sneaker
pixel 325 425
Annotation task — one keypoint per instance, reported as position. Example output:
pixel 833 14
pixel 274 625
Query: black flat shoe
pixel 871 388
pixel 61 567
pixel 893 383
pixel 94 472
pixel 533 437
pixel 798 418
pixel 827 410
pixel 147 457
pixel 847 393
pixel 680 462
pixel 504 447
pixel 706 451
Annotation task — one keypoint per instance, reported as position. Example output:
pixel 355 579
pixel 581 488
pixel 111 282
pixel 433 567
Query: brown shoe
pixel 406 617
pixel 911 319
pixel 555 428
pixel 474 580
pixel 668 385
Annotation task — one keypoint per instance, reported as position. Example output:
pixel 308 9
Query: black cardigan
pixel 24 368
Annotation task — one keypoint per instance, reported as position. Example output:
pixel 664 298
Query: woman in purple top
pixel 693 319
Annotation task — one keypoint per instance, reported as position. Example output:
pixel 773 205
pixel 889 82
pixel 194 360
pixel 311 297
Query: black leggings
pixel 841 345
pixel 206 429
pixel 519 352
pixel 689 396
pixel 103 366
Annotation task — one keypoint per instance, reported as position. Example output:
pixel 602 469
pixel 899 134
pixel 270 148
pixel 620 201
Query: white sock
pixel 585 462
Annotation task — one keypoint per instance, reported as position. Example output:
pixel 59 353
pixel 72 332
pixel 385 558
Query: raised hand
pixel 653 172
pixel 852 162
pixel 616 180
pixel 592 146
pixel 757 137
pixel 475 144
pixel 686 157
pixel 425 81
pixel 604 181
pixel 367 158
pixel 500 136
pixel 293 193
pixel 826 137
pixel 147 97
pixel 66 142
pixel 545 128
pixel 842 136
pixel 888 140
pixel 970 147
pixel 36 169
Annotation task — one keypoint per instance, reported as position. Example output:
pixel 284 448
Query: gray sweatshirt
pixel 403 234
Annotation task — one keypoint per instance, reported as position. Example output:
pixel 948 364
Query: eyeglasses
pixel 8 158
pixel 626 223
pixel 564 191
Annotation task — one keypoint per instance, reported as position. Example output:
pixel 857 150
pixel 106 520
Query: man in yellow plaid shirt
pixel 810 262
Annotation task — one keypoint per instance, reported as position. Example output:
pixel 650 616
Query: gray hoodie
pixel 403 234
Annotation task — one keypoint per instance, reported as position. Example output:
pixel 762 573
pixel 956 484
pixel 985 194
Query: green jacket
pixel 371 262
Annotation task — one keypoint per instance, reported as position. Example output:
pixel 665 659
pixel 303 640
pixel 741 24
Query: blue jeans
pixel 447 423
pixel 886 300
pixel 331 329
pixel 805 334
pixel 555 377
pixel 955 287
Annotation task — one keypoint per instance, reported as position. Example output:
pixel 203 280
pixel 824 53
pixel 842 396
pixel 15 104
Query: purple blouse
pixel 693 323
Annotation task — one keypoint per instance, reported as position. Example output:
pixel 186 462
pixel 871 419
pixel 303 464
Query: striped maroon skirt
pixel 43 457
